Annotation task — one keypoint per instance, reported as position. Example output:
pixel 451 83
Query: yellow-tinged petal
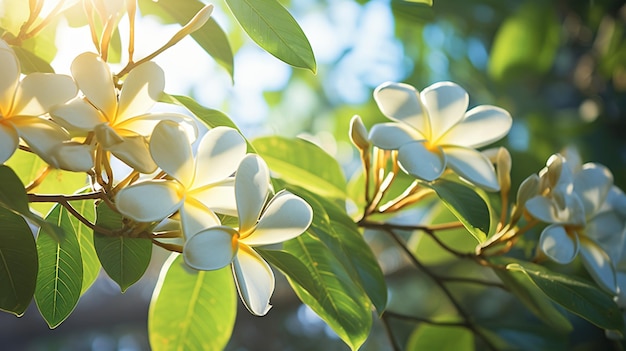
pixel 482 126
pixel 95 80
pixel 172 152
pixel 285 217
pixel 41 135
pixel 219 197
pixel 252 187
pixel 72 156
pixel 391 136
pixel 195 217
pixel 211 249
pixel 77 115
pixel 150 201
pixel 473 166
pixel 445 103
pixel 419 161
pixel 134 151
pixel 401 102
pixel 358 133
pixel 38 92
pixel 254 279
pixel 144 124
pixel 219 153
pixel 9 78
pixel 9 140
pixel 140 91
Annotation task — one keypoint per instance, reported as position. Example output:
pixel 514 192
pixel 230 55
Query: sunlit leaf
pixel 210 37
pixel 526 42
pixel 91 264
pixel 304 164
pixel 18 263
pixel 12 193
pixel 466 205
pixel 30 62
pixel 532 297
pixel 60 273
pixel 28 166
pixel 124 259
pixel 332 225
pixel 273 28
pixel 441 338
pixel 425 2
pixel 342 304
pixel 580 297
pixel 191 310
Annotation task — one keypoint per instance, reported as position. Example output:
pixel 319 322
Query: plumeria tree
pixel 96 174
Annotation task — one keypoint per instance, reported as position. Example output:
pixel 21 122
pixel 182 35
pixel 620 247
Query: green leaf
pixel 28 166
pixel 304 164
pixel 466 205
pixel 440 338
pixel 124 259
pixel 18 263
pixel 210 37
pixel 12 192
pixel 526 42
pixel 212 118
pixel 342 304
pixel 84 234
pixel 332 225
pixel 191 310
pixel 531 296
pixel 273 28
pixel 425 2
pixel 30 62
pixel 60 275
pixel 577 295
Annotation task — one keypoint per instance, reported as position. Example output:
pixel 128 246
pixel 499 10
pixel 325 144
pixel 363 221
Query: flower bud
pixel 72 156
pixel 358 133
pixel 503 169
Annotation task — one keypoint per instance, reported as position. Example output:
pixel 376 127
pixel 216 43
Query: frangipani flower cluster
pixel 23 106
pixel 574 200
pixel 204 185
pixel 432 131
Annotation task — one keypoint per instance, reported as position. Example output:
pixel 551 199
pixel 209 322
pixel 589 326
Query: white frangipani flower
pixel 21 105
pixel 432 131
pixel 580 221
pixel 120 121
pixel 199 186
pixel 284 217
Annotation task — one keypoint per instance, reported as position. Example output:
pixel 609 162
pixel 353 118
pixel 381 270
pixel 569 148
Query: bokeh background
pixel 558 66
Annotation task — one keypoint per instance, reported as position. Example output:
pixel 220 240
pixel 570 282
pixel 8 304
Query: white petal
pixel 9 78
pixel 77 115
pixel 472 166
pixel 592 185
pixel 219 197
pixel 285 217
pixel 41 135
pixel 211 249
pixel 150 201
pixel 72 156
pixel 548 209
pixel 445 103
pixel 390 136
pixel 38 92
pixel 252 187
pixel 172 152
pixel 358 133
pixel 140 91
pixel 195 217
pixel 94 79
pixel 134 151
pixel 254 279
pixel 558 245
pixel 9 140
pixel 219 153
pixel 598 265
pixel 144 124
pixel 605 228
pixel 481 126
pixel 421 162
pixel 400 102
